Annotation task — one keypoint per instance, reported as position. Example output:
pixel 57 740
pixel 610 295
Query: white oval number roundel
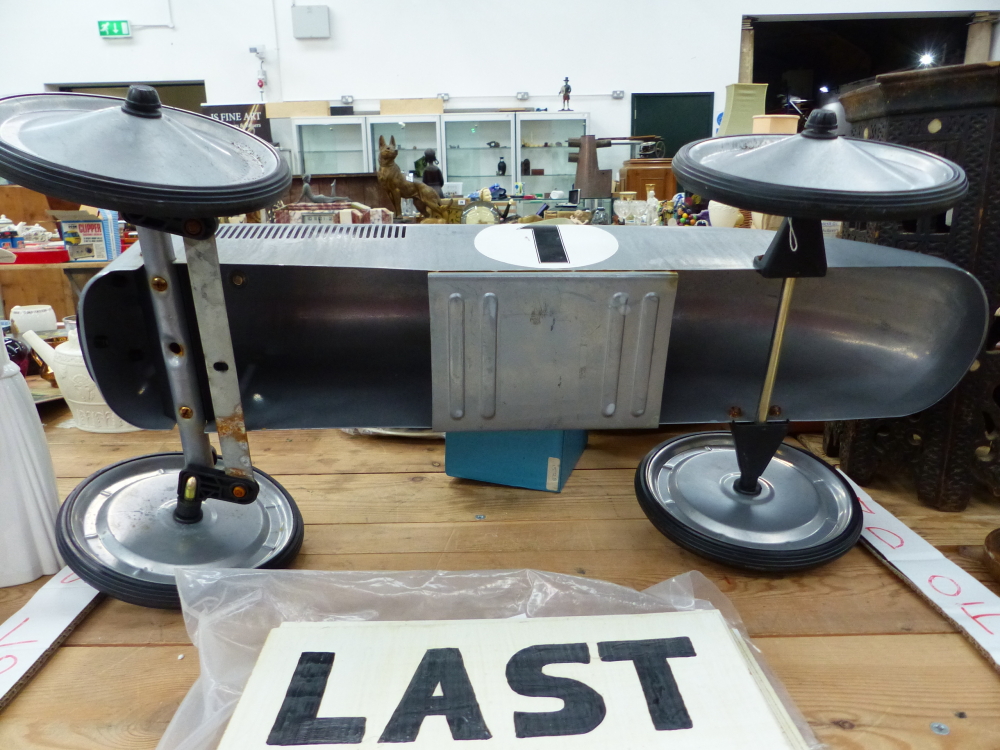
pixel 546 246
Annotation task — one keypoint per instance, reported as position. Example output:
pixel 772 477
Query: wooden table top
pixel 868 662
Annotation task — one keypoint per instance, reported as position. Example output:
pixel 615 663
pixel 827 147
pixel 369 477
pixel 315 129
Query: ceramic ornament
pixel 679 680
pixel 90 412
pixel 28 499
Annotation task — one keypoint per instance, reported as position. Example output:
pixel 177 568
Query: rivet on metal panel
pixel 735 412
pixel 617 310
pixel 488 342
pixel 648 310
pixel 456 356
pixel 186 412
pixel 238 278
pixel 774 411
pixel 158 283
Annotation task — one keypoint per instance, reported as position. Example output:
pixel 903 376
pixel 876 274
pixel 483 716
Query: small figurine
pixel 308 196
pixel 564 92
pixel 502 167
pixel 432 176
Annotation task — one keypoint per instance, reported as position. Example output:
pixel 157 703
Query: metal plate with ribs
pixel 516 351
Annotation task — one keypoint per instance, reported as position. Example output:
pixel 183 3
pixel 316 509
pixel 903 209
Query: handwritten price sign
pixel 959 596
pixel 27 636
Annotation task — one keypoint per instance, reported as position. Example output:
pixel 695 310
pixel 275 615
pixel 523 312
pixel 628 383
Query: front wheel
pixel 117 531
pixel 805 513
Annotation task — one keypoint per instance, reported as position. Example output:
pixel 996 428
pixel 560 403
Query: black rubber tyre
pixel 136 591
pixel 747 558
pixel 155 198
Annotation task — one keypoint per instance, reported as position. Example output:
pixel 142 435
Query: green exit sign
pixel 114 28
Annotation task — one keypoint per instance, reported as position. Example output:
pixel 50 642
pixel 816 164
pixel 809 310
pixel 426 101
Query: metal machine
pixel 467 328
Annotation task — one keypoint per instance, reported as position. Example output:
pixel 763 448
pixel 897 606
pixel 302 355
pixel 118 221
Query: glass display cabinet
pixel 331 145
pixel 543 151
pixel 473 147
pixel 413 133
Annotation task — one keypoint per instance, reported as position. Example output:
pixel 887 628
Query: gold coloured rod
pixel 764 407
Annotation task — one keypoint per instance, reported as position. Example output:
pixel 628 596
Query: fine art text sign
pixel 679 680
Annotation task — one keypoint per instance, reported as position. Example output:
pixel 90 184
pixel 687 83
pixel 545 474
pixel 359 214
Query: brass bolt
pixel 735 412
pixel 158 283
pixel 192 226
pixel 186 412
pixel 239 491
pixel 238 278
pixel 774 411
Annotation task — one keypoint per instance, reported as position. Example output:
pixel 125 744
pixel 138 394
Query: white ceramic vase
pixel 28 498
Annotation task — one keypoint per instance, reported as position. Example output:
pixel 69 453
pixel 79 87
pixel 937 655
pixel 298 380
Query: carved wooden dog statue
pixel 397 187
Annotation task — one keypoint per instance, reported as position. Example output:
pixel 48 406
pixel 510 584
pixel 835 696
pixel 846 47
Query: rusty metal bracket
pixel 217 344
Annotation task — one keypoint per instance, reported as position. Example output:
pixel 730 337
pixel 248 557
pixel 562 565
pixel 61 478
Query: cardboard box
pixel 11 241
pixel 88 237
pixel 535 459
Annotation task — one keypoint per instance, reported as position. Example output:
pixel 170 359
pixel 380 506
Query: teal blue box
pixel 535 459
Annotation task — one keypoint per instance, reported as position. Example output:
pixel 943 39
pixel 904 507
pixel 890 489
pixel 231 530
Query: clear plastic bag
pixel 229 614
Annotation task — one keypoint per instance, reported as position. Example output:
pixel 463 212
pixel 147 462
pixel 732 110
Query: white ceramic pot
pixel 90 412
pixel 722 215
pixel 32 318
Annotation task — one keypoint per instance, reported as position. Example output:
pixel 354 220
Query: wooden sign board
pixel 411 106
pixel 273 110
pixel 680 680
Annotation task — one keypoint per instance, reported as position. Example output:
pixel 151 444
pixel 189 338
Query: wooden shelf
pixel 56 284
pixel 79 265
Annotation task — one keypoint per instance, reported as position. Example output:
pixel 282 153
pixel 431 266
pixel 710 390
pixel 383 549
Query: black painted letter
pixel 457 702
pixel 584 707
pixel 297 724
pixel 666 706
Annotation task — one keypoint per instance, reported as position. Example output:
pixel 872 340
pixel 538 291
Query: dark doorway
pixel 676 118
pixel 800 58
pixel 189 95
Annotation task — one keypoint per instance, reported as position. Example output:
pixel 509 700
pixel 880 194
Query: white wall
pixel 480 53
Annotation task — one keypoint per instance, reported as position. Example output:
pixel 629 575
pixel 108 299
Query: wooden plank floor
pixel 865 659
